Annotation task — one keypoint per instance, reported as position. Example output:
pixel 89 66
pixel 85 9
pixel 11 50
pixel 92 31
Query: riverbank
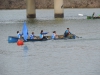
pixel 49 4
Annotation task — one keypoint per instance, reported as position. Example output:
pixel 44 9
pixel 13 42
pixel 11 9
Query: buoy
pixel 20 42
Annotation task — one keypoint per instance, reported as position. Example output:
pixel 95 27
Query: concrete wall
pixel 43 4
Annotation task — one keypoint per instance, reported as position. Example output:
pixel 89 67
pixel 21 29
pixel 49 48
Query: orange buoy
pixel 20 42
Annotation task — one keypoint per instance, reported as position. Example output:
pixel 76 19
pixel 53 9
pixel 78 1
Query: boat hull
pixel 90 17
pixel 13 39
pixel 71 36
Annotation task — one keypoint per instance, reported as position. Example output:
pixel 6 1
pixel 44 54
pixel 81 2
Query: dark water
pixel 80 56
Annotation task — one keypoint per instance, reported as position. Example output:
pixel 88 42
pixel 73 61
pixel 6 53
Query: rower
pixel 54 35
pixel 93 14
pixel 18 34
pixel 42 34
pixel 32 35
pixel 67 32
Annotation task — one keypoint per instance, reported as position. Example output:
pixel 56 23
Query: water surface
pixel 80 56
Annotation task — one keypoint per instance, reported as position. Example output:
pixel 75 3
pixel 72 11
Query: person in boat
pixel 42 34
pixel 93 14
pixel 32 35
pixel 67 33
pixel 19 35
pixel 54 35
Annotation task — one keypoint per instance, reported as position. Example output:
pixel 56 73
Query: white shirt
pixel 18 35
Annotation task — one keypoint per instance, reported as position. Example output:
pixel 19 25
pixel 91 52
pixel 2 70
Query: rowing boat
pixel 90 17
pixel 13 39
pixel 26 38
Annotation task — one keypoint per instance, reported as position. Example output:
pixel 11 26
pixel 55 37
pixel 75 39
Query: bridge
pixel 58 9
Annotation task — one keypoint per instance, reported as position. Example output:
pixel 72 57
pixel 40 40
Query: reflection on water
pixel 25 48
pixel 79 56
pixel 25 51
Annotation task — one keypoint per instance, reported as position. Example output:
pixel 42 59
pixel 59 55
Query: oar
pixel 77 36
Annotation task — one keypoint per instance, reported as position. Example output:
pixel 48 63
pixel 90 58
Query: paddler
pixel 93 14
pixel 18 34
pixel 67 32
pixel 42 34
pixel 54 35
pixel 32 35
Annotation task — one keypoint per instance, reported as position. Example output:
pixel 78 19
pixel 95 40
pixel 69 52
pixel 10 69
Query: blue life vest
pixel 41 36
pixel 18 35
pixel 66 32
pixel 53 36
pixel 31 36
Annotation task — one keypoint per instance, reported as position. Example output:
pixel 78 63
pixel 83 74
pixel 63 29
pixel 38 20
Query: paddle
pixel 77 36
